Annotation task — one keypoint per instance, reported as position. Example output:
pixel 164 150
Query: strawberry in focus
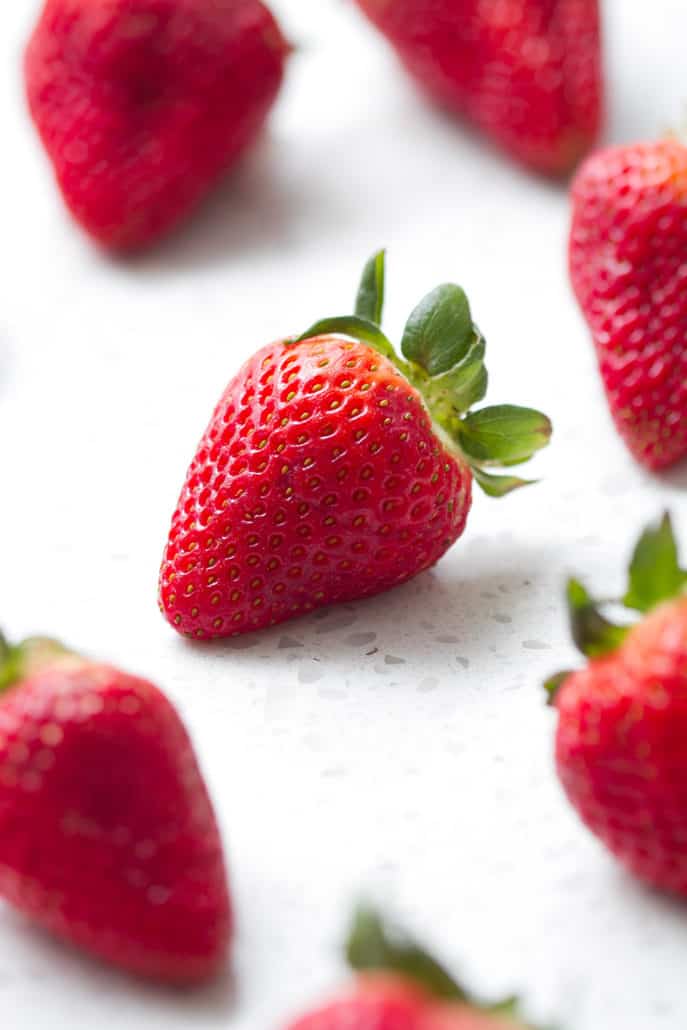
pixel 628 270
pixel 332 469
pixel 622 720
pixel 107 834
pixel 525 72
pixel 401 987
pixel 143 104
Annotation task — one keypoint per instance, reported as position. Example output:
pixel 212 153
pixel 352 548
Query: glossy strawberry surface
pixel 143 104
pixel 627 262
pixel 620 747
pixel 107 835
pixel 319 479
pixel 526 72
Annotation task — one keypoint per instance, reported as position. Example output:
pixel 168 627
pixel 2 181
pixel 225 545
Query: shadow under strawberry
pixel 460 622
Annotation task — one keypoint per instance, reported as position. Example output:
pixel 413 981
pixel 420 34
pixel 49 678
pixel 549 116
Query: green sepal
pixel 439 332
pixel 372 947
pixel 510 1009
pixel 17 661
pixel 10 664
pixel 369 302
pixel 452 393
pixel 504 434
pixel 655 573
pixel 498 486
pixel 470 379
pixel 444 352
pixel 593 633
pixel 554 683
pixel 354 327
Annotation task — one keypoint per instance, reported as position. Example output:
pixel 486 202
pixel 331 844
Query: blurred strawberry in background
pixel 622 717
pixel 528 73
pixel 627 263
pixel 108 838
pixel 143 104
pixel 400 986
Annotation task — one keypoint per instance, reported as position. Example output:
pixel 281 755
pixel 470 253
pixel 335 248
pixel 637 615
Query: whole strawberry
pixel 401 987
pixel 627 247
pixel 107 835
pixel 622 726
pixel 143 104
pixel 525 72
pixel 331 469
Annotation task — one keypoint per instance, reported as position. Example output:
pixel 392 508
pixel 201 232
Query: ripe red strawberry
pixel 525 72
pixel 401 987
pixel 627 247
pixel 620 746
pixel 143 104
pixel 107 835
pixel 331 469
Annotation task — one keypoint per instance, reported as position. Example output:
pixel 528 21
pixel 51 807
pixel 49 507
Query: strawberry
pixel 107 835
pixel 401 987
pixel 143 104
pixel 331 469
pixel 622 720
pixel 525 72
pixel 627 246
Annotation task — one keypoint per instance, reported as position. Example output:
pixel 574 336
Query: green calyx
pixel 371 946
pixel 654 577
pixel 18 661
pixel 443 358
pixel 374 947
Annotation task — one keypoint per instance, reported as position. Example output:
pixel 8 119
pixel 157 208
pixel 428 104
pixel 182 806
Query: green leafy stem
pixel 443 358
pixel 655 576
pixel 17 661
pixel 374 947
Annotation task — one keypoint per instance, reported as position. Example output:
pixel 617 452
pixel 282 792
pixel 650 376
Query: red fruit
pixel 107 835
pixel 143 104
pixel 627 247
pixel 322 476
pixel 525 72
pixel 620 745
pixel 373 1002
pixel 402 988
pixel 391 1003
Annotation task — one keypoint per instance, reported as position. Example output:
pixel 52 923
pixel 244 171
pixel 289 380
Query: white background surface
pixel 420 774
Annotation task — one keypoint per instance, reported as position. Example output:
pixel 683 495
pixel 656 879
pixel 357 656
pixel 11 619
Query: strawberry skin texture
pixel 143 104
pixel 107 835
pixel 628 270
pixel 387 1002
pixel 319 479
pixel 620 747
pixel 526 72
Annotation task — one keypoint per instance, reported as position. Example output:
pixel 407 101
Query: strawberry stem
pixel 18 661
pixel 654 577
pixel 443 358
pixel 373 947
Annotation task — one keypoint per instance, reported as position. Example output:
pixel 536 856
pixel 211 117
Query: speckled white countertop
pixel 398 747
